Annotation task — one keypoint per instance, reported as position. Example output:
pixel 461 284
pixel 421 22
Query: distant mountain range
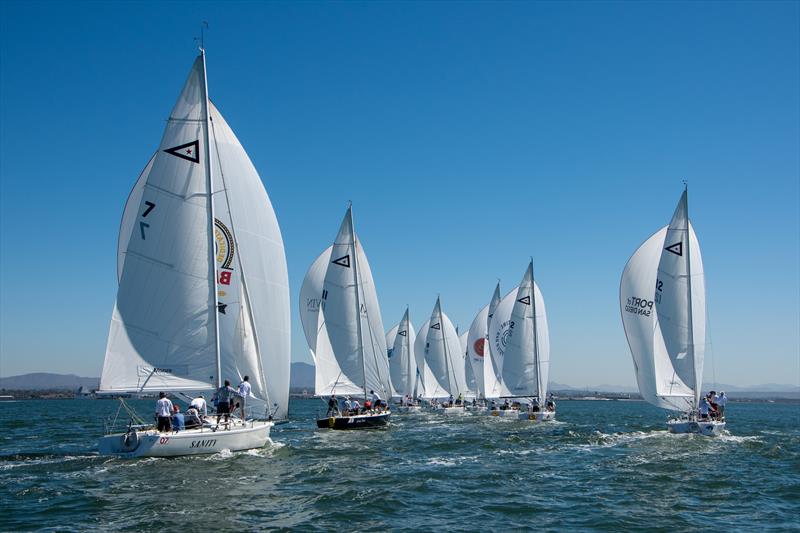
pixel 47 381
pixel 302 377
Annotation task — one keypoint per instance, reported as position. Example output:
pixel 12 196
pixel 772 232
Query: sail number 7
pixel 142 224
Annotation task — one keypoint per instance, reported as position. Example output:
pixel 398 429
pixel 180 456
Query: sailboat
pixel 402 364
pixel 519 341
pixel 439 347
pixel 663 305
pixel 203 289
pixel 343 327
pixel 478 352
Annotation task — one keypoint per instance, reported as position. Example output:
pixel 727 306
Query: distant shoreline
pixel 9 395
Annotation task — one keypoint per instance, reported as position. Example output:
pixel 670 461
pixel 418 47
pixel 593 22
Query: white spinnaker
pixel 255 341
pixel 311 298
pixel 402 365
pixel 681 316
pixel 658 382
pixel 352 316
pixel 129 216
pixel 162 334
pixel 443 352
pixel 428 386
pixel 523 343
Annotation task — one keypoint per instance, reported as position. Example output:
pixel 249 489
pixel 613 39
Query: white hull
pixel 709 428
pixel 505 413
pixel 455 410
pixel 541 416
pixel 151 443
pixel 409 408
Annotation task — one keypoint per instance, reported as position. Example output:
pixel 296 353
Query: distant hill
pixel 302 377
pixel 47 381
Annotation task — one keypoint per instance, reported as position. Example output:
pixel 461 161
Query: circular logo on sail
pixel 224 248
pixel 478 346
pixel 501 337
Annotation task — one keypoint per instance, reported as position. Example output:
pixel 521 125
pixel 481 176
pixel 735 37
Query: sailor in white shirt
pixel 376 399
pixel 244 392
pixel 199 403
pixel 721 401
pixel 164 412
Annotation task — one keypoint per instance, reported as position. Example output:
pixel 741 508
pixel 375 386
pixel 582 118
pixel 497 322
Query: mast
pixel 535 338
pixel 409 355
pixel 358 301
pixel 211 240
pixel 689 299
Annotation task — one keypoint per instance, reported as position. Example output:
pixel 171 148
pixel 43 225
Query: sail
pixel 252 278
pixel 311 298
pixel 351 318
pixel 469 375
pixel 443 353
pixel 162 333
pixel 681 315
pixel 129 216
pixel 402 365
pixel 477 349
pixel 428 386
pixel 658 381
pixel 520 339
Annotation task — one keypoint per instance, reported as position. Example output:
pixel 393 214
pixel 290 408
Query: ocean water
pixel 604 465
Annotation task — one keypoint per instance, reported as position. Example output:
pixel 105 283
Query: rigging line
pixel 252 320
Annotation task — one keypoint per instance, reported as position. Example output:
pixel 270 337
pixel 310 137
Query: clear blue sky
pixel 469 136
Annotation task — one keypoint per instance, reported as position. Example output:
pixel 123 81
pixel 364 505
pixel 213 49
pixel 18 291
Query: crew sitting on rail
pixel 193 418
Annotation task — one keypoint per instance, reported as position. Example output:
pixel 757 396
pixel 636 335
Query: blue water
pixel 605 465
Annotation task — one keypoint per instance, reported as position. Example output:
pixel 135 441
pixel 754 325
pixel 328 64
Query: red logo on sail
pixel 478 346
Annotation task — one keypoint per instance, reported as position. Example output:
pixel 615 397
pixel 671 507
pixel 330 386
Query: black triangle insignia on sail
pixel 676 248
pixel 343 261
pixel 189 151
pixel 221 307
pixel 403 333
pixel 436 326
pixel 525 300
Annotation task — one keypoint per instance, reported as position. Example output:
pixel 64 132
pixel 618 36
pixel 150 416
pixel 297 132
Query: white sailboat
pixel 402 364
pixel 203 287
pixel 439 347
pixel 519 342
pixel 342 323
pixel 663 307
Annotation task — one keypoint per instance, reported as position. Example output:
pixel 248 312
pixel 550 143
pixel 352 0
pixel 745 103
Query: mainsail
pixel 402 365
pixel 662 301
pixel 349 347
pixel 174 326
